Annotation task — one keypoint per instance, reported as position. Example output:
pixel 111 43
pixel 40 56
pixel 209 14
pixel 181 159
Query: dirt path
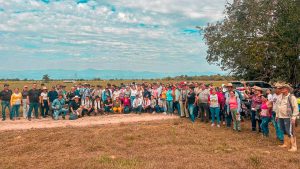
pixel 82 122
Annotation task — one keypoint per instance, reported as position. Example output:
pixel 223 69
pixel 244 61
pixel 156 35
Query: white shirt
pixel 133 92
pixel 137 102
pixel 44 96
pixel 86 103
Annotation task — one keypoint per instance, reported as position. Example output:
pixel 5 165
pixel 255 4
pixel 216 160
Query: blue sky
pixel 140 35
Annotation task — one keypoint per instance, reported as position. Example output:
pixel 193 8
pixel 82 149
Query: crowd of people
pixel 219 105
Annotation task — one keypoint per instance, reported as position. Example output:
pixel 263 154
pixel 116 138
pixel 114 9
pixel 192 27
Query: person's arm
pixel 295 108
pixel 11 98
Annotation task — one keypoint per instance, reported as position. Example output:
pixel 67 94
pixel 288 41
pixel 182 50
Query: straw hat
pixel 257 88
pixel 229 85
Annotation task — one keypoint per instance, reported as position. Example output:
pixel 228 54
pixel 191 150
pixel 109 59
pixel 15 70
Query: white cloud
pixel 135 34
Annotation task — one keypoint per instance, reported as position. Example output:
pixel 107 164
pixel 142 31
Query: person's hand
pixel 276 119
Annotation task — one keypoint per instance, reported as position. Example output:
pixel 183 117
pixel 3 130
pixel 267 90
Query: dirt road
pixel 82 122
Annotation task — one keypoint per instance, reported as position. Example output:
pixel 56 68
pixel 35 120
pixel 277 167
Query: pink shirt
pixel 233 104
pixel 126 102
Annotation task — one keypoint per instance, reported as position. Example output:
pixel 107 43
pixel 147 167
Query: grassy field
pixel 166 144
pixel 20 84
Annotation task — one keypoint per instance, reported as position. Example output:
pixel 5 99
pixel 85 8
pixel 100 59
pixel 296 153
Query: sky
pixel 139 35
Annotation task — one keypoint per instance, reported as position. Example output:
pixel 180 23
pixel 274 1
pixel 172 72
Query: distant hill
pixel 89 74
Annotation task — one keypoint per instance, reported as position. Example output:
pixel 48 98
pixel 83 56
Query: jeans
pixel 254 120
pixel 62 111
pixel 14 111
pixel 107 109
pixel 191 110
pixel 286 126
pixel 45 107
pixel 276 125
pixel 25 108
pixel 177 106
pixel 126 109
pixel 170 107
pixel 5 104
pixel 204 112
pixel 228 117
pixel 138 109
pixel 132 99
pixel 236 117
pixel 265 125
pixel 35 106
pixel 215 112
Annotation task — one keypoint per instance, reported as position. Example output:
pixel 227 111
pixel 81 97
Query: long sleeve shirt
pixel 287 107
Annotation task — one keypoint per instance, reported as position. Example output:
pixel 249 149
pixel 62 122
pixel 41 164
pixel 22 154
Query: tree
pixel 257 40
pixel 46 78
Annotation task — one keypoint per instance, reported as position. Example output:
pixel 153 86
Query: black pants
pixel 86 111
pixel 255 120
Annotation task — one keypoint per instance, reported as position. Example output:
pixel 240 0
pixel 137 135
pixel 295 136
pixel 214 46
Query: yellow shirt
pixel 164 95
pixel 16 98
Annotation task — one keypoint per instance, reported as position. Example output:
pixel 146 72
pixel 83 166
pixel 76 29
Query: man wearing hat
pixel 58 107
pixel 75 106
pixel 287 112
pixel 5 96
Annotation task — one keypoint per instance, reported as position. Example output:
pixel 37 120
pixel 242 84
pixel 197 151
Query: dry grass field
pixel 158 144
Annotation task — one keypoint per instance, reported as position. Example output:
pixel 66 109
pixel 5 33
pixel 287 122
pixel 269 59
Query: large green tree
pixel 257 40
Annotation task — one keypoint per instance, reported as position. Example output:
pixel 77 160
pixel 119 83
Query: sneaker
pixel 153 112
pixel 218 125
pixel 164 113
pixel 212 125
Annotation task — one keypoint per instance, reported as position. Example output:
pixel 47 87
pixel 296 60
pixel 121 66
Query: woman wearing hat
pixel 256 103
pixel 44 100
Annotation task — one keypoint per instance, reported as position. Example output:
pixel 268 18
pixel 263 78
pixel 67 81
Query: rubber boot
pixel 294 145
pixel 286 142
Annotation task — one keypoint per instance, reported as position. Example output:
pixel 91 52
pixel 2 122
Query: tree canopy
pixel 257 40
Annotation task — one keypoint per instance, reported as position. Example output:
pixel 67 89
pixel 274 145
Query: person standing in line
pixel 234 108
pixel 24 101
pixel 5 96
pixel 176 100
pixel 44 100
pixel 279 132
pixel 214 102
pixel 182 101
pixel 287 112
pixel 169 99
pixel 203 103
pixel 33 101
pixel 15 103
pixel 191 102
pixel 256 108
pixel 266 114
